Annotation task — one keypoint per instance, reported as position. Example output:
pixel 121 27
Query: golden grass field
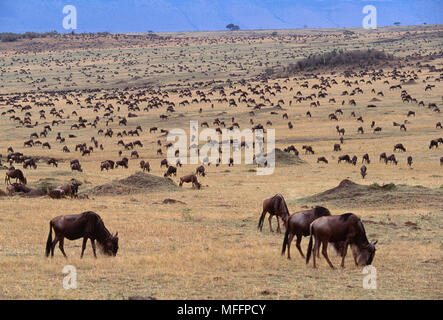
pixel 209 247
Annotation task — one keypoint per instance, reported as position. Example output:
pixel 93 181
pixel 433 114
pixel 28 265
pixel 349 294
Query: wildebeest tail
pixel 49 241
pixel 308 254
pixel 285 241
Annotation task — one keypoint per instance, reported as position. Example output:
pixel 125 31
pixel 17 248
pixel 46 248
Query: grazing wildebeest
pixel 16 174
pixel 29 163
pixel 53 162
pixel 383 157
pixel 86 225
pixel 441 161
pixel 200 171
pixel 171 171
pixel 190 178
pixel 346 229
pixel 308 149
pixel 409 161
pixel 337 147
pixel 345 157
pixel 164 162
pixel 354 160
pixel 322 159
pixel 298 225
pixel 363 170
pixel 365 158
pixel 105 165
pixel 134 154
pixel 399 146
pixel 392 159
pixel 276 206
pixel 122 163
pixel 145 166
pixel 438 125
pixel 377 129
pixel 70 189
pixel 433 143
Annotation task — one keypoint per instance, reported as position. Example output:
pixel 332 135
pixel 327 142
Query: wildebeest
pixel 345 157
pixel 86 225
pixel 200 171
pixel 399 146
pixel 122 163
pixel 275 206
pixel 298 225
pixel 190 178
pixel 433 143
pixel 365 158
pixel 16 174
pixel 322 159
pixel 363 170
pixel 409 161
pixel 392 159
pixel 145 166
pixel 171 171
pixel 346 228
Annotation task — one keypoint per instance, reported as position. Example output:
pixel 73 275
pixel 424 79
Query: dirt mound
pixel 375 100
pixel 350 194
pixel 286 159
pixel 51 183
pixel 137 183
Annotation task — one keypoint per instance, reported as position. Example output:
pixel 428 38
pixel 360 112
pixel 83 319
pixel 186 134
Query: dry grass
pixel 209 247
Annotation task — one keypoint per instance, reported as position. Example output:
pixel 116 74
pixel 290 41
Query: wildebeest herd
pixel 373 123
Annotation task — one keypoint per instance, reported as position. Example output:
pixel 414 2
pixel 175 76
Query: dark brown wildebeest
pixel 308 149
pixel 53 162
pixel 441 161
pixel 345 157
pixel 399 146
pixel 363 170
pixel 291 148
pixel 341 231
pixel 298 225
pixel 171 171
pixel 354 160
pixel 322 159
pixel 106 165
pixel 200 171
pixel 409 161
pixel 86 225
pixel 392 159
pixel 337 147
pixel 276 206
pixel 122 163
pixel 29 163
pixel 164 162
pixel 65 149
pixel 433 143
pixel 190 178
pixel 383 157
pixel 365 158
pixel 438 125
pixel 145 166
pixel 377 129
pixel 70 189
pixel 76 166
pixel 16 174
pixel 134 154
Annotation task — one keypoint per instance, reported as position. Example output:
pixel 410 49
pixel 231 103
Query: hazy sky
pixel 200 15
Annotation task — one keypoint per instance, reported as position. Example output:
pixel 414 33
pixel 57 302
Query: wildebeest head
pixel 110 246
pixel 365 255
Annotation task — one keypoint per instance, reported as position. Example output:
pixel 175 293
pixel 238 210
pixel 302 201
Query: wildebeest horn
pixel 375 242
pixel 116 234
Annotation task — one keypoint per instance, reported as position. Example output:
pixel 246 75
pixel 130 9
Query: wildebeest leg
pixel 316 250
pixel 278 224
pixel 56 239
pixel 345 250
pixel 85 239
pixel 299 237
pixel 93 247
pixel 290 237
pixel 60 245
pixel 325 253
pixel 270 223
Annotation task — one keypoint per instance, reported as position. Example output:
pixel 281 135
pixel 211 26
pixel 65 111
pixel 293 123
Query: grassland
pixel 208 247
